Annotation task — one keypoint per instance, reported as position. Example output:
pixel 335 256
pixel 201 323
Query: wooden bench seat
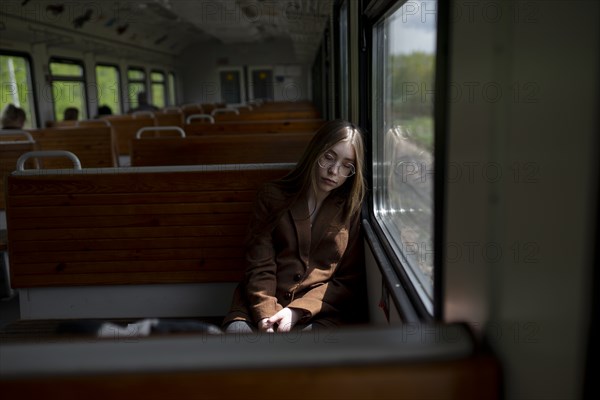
pixel 258 115
pixel 274 126
pixel 124 128
pixel 170 118
pixel 282 106
pixel 200 108
pixel 91 144
pixel 61 124
pixel 219 149
pixel 131 226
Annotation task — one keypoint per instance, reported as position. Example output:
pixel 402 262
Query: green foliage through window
pixel 158 89
pixel 17 88
pixel 68 89
pixel 109 87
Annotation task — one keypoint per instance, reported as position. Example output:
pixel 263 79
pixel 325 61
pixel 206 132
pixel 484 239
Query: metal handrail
pixel 16 132
pixel 136 114
pixel 47 153
pixel 138 134
pixel 200 116
pixel 224 110
pixel 248 106
pixel 91 122
pixel 170 109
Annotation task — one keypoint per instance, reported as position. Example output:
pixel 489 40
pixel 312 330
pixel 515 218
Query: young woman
pixel 304 247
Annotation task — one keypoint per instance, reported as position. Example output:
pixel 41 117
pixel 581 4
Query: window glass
pixel 68 89
pixel 17 86
pixel 158 89
pixel 157 77
pixel 136 74
pixel 66 70
pixel 404 66
pixel 172 96
pixel 136 84
pixel 109 87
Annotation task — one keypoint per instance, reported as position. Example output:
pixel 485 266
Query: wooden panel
pixel 61 124
pixel 25 199
pixel 127 227
pixel 301 125
pixel 473 378
pixel 131 183
pixel 124 128
pixel 230 149
pixel 92 145
pixel 169 119
pixel 9 154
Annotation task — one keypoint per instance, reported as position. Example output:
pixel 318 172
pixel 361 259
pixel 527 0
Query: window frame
pixel 143 81
pixel 84 112
pixel 30 82
pixel 398 282
pixel 342 47
pixel 119 84
pixel 172 88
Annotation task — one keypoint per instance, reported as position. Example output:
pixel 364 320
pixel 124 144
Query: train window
pixel 159 88
pixel 136 83
pixel 403 141
pixel 344 61
pixel 172 95
pixel 17 85
pixel 108 80
pixel 68 87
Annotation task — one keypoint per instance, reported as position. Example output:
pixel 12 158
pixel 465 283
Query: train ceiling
pixel 165 27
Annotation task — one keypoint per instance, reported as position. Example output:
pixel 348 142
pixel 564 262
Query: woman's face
pixel 334 166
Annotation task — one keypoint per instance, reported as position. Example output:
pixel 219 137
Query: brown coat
pixel 318 269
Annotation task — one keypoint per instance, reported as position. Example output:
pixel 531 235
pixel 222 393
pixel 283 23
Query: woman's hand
pixel 265 326
pixel 284 319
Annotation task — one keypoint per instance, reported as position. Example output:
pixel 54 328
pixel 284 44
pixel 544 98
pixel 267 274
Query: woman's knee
pixel 239 327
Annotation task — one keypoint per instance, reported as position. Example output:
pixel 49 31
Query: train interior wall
pixel 199 66
pixel 520 217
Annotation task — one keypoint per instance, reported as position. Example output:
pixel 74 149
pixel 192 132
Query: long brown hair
pixel 303 177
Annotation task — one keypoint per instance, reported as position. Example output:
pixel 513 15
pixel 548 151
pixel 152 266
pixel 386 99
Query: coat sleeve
pixel 261 269
pixel 332 296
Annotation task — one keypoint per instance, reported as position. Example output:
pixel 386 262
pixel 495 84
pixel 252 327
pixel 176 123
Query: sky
pixel 413 28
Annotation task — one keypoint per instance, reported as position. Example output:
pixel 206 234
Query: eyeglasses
pixel 328 160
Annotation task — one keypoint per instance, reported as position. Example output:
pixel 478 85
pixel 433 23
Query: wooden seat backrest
pixel 91 144
pixel 219 149
pixel 61 124
pixel 257 115
pixel 169 119
pixel 131 225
